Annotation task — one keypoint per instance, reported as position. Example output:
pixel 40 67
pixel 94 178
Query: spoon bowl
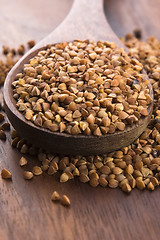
pixel 86 20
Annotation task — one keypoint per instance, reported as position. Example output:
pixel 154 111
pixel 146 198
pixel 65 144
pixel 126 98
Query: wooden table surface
pixel 26 210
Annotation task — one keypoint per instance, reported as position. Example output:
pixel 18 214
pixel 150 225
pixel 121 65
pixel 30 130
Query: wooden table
pixel 26 210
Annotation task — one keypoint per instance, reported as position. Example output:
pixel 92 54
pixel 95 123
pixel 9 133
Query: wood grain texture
pixel 26 211
pixel 126 15
pixel 86 20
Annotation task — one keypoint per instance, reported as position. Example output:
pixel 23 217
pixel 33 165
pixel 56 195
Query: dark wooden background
pixel 26 210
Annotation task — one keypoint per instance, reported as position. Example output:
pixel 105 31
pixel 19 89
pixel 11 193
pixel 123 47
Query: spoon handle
pixel 86 20
pixel 88 16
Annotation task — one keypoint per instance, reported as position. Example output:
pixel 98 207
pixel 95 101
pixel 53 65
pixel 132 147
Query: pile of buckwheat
pixel 137 165
pixel 11 55
pixel 82 87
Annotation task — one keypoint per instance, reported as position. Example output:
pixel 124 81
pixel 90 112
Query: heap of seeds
pixel 82 87
pixel 11 58
pixel 137 165
pixel 11 55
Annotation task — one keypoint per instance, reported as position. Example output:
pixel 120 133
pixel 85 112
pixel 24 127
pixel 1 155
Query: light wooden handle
pixel 86 20
pixel 87 12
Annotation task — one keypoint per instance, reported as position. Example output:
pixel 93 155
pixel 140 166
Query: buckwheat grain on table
pixel 137 165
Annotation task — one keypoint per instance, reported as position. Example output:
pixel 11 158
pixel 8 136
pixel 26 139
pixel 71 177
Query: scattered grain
pixel 6 174
pixel 55 196
pixel 37 170
pixel 23 161
pixel 28 175
pixel 65 201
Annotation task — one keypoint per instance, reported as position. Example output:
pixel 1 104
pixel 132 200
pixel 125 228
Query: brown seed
pixel 83 169
pixel 21 50
pixel 75 130
pixel 120 177
pixel 70 175
pixel 144 112
pixel 6 174
pixel 62 127
pixel 150 186
pixel 5 50
pixel 14 142
pixel 14 134
pixel 147 149
pixel 76 172
pixel 23 161
pixel 117 170
pixel 94 182
pixel 72 106
pixel 1 117
pixel 126 188
pixel 111 165
pixel 55 196
pixel 54 164
pixel 119 107
pixel 145 172
pixel 97 132
pixel 31 43
pixel 154 181
pixel 53 127
pixel 44 167
pixel 51 170
pixel 103 182
pixel 72 69
pixel 138 165
pixel 118 154
pixel 76 114
pixel 69 117
pixel 93 174
pixel 106 121
pixel 90 96
pixel 65 201
pixel 37 170
pixel 64 177
pixel 83 178
pixel 124 181
pixel 113 183
pixel 137 173
pixel 6 126
pixel 146 181
pixel 2 135
pixel 93 55
pixel 83 125
pixel 105 170
pixel 122 115
pixel 42 156
pixel 98 164
pixel 129 169
pixel 140 184
pixel 108 159
pixel 132 183
pixel 24 149
pixel 121 126
pixel 28 175
pixel 91 119
pixel 121 164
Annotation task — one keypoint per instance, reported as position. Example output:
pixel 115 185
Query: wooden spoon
pixel 86 20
